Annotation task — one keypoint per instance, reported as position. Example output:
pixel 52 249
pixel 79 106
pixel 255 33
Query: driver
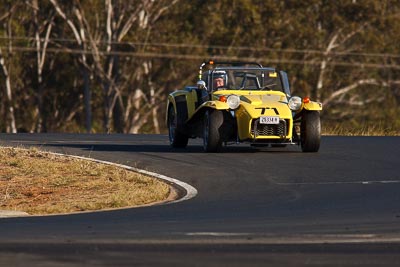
pixel 218 82
pixel 219 79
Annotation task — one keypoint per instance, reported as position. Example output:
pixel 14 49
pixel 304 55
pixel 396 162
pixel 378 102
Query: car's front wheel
pixel 212 141
pixel 310 131
pixel 177 139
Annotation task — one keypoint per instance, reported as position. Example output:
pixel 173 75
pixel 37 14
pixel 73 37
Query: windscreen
pixel 246 79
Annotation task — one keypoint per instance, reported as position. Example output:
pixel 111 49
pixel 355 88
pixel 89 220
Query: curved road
pixel 254 207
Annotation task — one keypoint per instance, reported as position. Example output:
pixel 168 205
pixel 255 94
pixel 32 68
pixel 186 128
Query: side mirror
pixel 201 84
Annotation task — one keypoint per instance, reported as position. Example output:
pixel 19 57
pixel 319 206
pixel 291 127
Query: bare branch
pixel 7 14
pixel 351 34
pixel 353 86
pixel 162 10
pixel 69 22
pixel 331 45
pixel 46 42
pixel 127 26
pixel 109 24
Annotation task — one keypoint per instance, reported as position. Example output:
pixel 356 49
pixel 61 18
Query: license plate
pixel 269 120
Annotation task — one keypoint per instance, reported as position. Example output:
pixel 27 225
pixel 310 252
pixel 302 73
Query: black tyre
pixel 212 137
pixel 310 131
pixel 177 139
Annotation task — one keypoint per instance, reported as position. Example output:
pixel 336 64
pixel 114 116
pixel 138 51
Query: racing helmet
pixel 219 74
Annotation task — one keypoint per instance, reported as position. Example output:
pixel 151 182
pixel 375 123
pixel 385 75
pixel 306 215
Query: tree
pixel 109 65
pixel 80 35
pixel 41 47
pixel 103 38
pixel 5 63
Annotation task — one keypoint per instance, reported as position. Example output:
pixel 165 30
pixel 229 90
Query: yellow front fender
pixel 312 105
pixel 215 105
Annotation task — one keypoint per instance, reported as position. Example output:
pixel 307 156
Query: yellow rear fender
pixel 170 102
pixel 183 102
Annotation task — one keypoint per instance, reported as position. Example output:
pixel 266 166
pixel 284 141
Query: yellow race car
pixel 235 102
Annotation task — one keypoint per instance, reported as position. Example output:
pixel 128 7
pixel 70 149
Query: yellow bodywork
pixel 190 98
pixel 254 104
pixel 266 104
pixel 235 102
pixel 312 106
pixel 215 105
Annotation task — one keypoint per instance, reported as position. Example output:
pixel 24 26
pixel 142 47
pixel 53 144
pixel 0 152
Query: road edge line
pixel 177 185
pixel 191 192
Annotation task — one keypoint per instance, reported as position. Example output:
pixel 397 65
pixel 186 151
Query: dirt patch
pixel 40 183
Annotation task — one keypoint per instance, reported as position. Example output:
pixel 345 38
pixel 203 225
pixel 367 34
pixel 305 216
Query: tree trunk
pixel 322 69
pixel 87 99
pixel 11 124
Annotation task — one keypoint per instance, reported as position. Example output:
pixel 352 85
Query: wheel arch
pixel 199 113
pixel 170 102
pixel 208 105
pixel 178 100
pixel 312 106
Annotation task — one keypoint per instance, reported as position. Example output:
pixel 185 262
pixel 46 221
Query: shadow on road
pixel 128 143
pixel 150 148
pixel 145 148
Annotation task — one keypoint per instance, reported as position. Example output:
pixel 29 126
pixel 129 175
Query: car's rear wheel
pixel 177 139
pixel 310 131
pixel 212 141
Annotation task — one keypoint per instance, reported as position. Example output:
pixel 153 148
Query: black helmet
pixel 219 74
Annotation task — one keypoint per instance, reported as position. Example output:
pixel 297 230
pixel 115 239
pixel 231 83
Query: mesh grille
pixel 269 129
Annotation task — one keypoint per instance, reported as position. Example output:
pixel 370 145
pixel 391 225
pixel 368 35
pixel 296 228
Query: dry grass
pixel 362 131
pixel 41 183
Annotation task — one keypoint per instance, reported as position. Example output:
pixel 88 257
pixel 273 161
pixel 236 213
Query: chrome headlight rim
pixel 295 103
pixel 233 101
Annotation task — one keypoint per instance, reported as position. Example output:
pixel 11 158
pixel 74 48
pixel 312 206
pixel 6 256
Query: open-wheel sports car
pixel 236 102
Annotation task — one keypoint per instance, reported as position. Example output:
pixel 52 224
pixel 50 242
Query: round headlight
pixel 295 103
pixel 233 101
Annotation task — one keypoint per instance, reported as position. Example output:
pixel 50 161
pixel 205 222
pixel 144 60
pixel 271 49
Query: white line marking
pixel 12 213
pixel 338 183
pixel 191 192
pixel 216 234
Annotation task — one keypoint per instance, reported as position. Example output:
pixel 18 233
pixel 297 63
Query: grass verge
pixel 41 183
pixel 361 131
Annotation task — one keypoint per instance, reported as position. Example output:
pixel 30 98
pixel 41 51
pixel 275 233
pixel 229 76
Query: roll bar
pixel 233 63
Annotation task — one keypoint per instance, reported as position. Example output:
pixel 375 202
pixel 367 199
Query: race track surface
pixel 271 206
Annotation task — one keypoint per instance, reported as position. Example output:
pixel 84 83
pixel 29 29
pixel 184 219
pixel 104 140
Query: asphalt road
pixel 255 207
